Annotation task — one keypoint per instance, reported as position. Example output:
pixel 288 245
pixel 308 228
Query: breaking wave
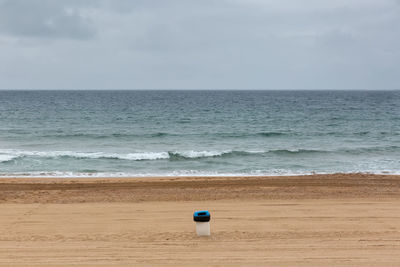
pixel 7 158
pixel 10 155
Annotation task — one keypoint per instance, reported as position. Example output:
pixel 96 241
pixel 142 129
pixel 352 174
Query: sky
pixel 200 44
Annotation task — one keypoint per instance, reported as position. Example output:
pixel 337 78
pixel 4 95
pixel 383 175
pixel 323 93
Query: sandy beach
pixel 317 220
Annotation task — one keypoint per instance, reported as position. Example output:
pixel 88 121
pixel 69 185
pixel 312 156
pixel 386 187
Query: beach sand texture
pixel 318 220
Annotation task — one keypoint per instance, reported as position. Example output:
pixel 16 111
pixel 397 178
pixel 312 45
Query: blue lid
pixel 201 216
pixel 201 213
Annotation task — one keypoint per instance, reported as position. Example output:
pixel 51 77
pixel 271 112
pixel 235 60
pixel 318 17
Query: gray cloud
pixel 44 18
pixel 309 44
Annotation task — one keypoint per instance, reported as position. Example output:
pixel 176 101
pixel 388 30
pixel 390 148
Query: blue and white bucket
pixel 202 219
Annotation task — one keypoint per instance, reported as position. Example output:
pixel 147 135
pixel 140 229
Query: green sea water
pixel 157 133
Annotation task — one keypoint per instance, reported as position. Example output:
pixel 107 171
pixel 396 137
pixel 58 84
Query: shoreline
pixel 116 176
pixel 12 177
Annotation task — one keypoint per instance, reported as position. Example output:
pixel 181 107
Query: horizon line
pixel 197 89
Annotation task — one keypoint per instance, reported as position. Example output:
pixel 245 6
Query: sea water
pixel 158 133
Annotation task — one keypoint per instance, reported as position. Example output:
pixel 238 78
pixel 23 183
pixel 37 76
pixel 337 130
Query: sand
pixel 318 220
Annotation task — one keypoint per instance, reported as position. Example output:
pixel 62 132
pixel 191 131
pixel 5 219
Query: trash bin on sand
pixel 202 219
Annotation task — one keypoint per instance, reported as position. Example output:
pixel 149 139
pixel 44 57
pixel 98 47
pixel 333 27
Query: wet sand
pixel 318 220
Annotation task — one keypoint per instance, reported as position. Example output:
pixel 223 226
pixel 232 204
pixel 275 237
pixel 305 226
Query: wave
pixel 7 158
pixel 196 154
pixel 10 155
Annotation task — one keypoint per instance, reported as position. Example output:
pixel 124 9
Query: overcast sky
pixel 194 44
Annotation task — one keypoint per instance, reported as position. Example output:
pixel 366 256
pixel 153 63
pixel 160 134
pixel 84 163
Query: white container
pixel 203 228
pixel 202 220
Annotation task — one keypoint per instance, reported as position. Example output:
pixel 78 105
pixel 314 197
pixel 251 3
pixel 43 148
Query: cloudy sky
pixel 194 44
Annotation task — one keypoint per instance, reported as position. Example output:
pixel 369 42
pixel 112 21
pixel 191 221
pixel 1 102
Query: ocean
pixel 189 133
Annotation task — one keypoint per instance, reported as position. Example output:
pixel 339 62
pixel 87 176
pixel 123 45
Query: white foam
pixel 136 156
pixel 178 173
pixel 11 154
pixel 6 158
pixel 200 154
pixel 145 156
